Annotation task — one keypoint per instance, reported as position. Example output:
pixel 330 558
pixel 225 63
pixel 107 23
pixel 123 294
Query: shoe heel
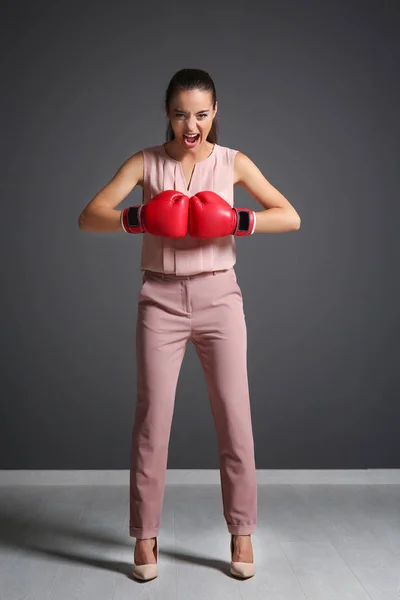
pixel 148 571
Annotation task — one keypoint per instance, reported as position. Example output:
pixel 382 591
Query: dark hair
pixel 191 79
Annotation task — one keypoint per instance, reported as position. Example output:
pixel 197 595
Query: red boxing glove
pixel 167 215
pixel 211 216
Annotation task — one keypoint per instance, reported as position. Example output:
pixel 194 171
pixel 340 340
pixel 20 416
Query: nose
pixel 192 124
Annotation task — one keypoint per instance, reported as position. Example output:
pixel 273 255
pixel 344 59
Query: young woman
pixel 190 293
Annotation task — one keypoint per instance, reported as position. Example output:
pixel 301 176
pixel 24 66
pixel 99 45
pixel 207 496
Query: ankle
pixel 145 542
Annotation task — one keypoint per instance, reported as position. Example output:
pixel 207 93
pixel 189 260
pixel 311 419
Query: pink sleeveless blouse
pixel 188 256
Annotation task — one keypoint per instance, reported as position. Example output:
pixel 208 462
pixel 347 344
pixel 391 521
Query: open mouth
pixel 191 140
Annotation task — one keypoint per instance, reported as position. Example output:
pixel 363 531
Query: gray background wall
pixel 310 91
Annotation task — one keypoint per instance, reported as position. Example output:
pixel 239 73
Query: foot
pixel 242 549
pixel 144 554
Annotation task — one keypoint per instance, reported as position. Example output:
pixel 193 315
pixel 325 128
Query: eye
pixel 203 115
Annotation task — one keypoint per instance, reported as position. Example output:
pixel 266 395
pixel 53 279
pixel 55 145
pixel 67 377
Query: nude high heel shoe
pixel 148 571
pixel 241 569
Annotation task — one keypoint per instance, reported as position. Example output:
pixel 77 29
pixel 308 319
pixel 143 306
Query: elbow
pixel 296 222
pixel 81 222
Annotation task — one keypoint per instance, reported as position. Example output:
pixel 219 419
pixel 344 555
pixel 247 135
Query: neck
pixel 178 152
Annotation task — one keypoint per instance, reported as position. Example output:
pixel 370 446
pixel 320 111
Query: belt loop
pixel 214 272
pixel 163 275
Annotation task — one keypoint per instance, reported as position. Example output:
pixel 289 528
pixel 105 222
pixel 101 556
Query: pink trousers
pixel 207 309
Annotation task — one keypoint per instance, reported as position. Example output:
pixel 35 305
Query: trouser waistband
pixel 172 276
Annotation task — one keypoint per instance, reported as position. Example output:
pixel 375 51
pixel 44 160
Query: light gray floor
pixel 321 542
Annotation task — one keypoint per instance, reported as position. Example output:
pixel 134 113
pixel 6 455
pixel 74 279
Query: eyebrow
pixel 200 111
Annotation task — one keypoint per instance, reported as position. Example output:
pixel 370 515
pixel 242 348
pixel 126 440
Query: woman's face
pixel 191 112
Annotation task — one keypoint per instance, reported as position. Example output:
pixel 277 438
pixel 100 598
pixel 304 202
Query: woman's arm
pixel 99 214
pixel 279 215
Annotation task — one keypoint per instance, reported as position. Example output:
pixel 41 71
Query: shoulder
pixel 244 167
pixel 135 161
pixel 226 154
pixel 135 164
pixel 152 150
pixel 242 161
pixel 236 159
pixel 132 167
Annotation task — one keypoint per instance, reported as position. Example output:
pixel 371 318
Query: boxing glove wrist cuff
pixel 130 219
pixel 246 222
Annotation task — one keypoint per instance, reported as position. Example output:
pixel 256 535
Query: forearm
pixel 276 220
pixel 102 219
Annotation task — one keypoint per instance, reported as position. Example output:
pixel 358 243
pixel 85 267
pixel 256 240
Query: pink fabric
pixel 206 309
pixel 188 256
